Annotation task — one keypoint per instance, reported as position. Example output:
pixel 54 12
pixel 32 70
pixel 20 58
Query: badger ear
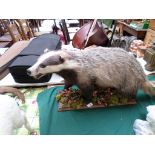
pixel 61 59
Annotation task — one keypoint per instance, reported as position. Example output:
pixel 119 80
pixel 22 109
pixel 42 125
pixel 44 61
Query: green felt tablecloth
pixel 104 121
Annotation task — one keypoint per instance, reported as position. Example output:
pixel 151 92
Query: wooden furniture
pixel 149 57
pixel 65 32
pixel 24 29
pixel 12 30
pixel 150 37
pixel 127 29
pixel 152 24
pixel 4 44
pixel 84 21
pixel 5 38
pixel 3 29
pixel 35 24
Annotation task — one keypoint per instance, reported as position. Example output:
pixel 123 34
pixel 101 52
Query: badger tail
pixel 149 88
pixel 14 91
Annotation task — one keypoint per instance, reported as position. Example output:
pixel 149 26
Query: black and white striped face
pixel 51 62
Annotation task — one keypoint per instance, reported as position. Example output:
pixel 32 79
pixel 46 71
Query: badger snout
pixel 31 72
pixel 34 74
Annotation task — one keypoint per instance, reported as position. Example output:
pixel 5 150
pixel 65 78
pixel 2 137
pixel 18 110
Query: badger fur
pixel 104 67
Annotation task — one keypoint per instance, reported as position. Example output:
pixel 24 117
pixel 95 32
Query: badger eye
pixel 42 66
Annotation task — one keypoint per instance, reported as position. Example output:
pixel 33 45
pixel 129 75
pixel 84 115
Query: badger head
pixel 51 62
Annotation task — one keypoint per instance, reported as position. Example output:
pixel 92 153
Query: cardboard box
pixel 152 24
pixel 150 36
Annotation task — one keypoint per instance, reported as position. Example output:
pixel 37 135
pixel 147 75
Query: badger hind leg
pixel 128 92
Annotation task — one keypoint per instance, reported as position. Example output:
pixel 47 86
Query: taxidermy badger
pixel 96 66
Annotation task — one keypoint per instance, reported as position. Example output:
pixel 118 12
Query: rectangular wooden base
pixel 72 99
pixel 61 108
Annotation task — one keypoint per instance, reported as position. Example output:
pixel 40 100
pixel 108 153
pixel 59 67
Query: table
pixel 125 28
pixel 116 120
pixel 4 44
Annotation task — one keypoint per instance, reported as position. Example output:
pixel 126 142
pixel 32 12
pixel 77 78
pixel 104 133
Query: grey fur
pixel 110 67
pixel 104 67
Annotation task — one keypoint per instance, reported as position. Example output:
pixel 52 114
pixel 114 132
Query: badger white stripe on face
pixel 52 62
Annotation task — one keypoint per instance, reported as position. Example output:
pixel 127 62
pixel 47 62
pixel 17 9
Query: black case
pixel 29 56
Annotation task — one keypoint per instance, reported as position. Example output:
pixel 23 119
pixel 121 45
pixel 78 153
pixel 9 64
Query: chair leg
pixel 65 31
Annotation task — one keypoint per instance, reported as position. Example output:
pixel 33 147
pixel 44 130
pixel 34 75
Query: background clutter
pixel 147 127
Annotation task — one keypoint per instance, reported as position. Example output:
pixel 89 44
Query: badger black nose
pixel 28 72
